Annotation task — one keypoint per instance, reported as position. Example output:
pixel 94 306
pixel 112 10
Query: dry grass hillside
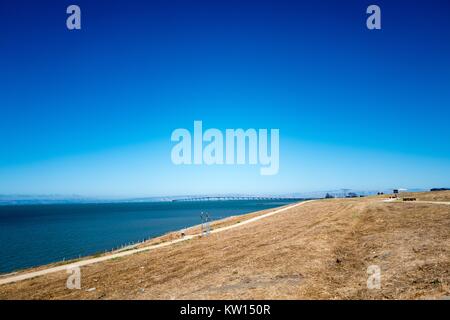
pixel 320 250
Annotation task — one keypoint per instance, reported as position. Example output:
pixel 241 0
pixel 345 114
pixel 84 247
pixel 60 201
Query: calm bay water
pixel 32 235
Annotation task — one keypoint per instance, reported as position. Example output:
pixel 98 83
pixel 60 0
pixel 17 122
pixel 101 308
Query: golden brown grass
pixel 428 196
pixel 320 250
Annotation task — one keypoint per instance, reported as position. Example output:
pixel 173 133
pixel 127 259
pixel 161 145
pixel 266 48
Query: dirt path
pixel 29 275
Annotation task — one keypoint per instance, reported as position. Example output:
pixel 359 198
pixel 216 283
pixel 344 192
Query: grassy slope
pixel 319 250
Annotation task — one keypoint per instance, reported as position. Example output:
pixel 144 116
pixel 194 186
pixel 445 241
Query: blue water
pixel 32 235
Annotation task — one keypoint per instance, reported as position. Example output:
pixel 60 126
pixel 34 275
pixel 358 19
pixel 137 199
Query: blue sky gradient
pixel 90 112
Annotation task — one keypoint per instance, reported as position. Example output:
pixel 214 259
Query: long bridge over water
pixel 228 198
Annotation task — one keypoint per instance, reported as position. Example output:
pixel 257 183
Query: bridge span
pixel 228 198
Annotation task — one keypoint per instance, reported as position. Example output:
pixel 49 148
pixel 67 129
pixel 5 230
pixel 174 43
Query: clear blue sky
pixel 91 112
